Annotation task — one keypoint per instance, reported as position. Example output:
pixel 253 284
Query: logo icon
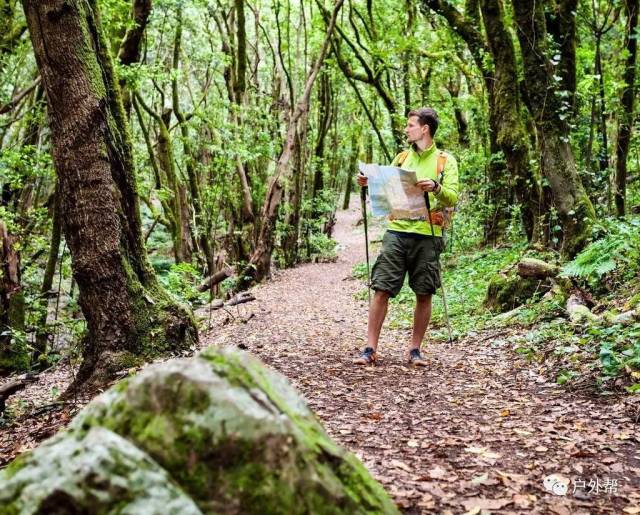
pixel 556 484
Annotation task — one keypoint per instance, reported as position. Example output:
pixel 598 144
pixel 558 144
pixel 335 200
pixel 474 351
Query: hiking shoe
pixel 367 357
pixel 416 359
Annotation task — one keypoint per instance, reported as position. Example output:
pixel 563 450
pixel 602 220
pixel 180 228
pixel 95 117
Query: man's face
pixel 414 131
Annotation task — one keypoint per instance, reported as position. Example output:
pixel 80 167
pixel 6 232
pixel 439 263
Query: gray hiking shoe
pixel 367 357
pixel 416 359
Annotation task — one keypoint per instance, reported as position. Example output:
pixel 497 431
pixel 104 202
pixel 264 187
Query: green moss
pixel 236 437
pixel 506 292
pixel 634 301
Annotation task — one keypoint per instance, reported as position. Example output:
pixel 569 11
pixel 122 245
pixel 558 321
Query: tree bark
pixel 467 27
pixel 128 314
pixel 627 102
pixel 511 135
pixel 131 44
pixel 13 351
pixel 574 208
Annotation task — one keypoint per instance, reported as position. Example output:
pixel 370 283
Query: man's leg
pixel 377 314
pixel 421 318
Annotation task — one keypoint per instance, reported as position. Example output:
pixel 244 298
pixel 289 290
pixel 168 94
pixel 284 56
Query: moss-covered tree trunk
pixel 128 314
pixel 557 161
pixel 511 134
pixel 467 26
pixel 627 101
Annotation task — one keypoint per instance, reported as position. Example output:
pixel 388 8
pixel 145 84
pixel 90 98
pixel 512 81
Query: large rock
pixel 235 437
pixel 94 472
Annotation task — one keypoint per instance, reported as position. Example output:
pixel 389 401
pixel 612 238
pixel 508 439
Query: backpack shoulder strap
pixel 401 157
pixel 442 161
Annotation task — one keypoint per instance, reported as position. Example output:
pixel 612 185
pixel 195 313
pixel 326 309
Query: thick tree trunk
pixel 128 314
pixel 574 208
pixel 511 134
pixel 627 101
pixel 468 28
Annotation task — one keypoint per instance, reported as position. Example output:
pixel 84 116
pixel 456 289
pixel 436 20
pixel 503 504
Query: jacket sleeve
pixel 448 195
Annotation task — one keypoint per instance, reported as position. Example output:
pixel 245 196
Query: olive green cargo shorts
pixel 402 254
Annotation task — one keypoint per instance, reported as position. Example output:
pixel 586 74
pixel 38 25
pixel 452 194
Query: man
pixel 408 245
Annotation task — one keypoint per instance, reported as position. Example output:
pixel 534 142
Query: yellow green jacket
pixel 425 164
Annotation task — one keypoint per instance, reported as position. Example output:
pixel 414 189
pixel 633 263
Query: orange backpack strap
pixel 400 158
pixel 442 161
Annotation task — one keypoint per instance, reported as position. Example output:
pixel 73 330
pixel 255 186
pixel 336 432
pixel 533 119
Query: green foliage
pixel 615 253
pixel 182 280
pixel 321 247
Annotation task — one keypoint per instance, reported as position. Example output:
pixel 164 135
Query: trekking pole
pixel 363 201
pixel 444 297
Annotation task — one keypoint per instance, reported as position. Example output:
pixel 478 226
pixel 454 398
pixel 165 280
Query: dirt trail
pixel 477 430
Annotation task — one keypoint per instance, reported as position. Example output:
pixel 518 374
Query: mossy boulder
pixel 508 291
pixel 94 472
pixel 235 437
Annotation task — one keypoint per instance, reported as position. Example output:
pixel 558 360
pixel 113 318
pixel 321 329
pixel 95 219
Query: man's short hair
pixel 426 116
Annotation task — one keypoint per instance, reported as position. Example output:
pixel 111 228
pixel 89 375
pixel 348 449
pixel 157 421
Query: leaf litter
pixel 476 432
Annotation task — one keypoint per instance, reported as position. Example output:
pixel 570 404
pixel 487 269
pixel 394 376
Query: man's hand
pixel 363 180
pixel 427 185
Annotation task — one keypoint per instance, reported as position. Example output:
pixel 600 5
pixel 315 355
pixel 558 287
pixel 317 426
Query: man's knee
pixel 382 295
pixel 423 299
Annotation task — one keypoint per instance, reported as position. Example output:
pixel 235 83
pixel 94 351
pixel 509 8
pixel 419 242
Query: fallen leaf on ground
pixel 481 503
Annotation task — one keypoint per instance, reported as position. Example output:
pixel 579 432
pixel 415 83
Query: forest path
pixel 476 430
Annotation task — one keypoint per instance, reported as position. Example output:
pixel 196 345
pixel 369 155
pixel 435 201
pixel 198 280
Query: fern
pixel 618 250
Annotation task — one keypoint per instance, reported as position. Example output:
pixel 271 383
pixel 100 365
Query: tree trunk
pixel 296 192
pixel 128 314
pixel 201 227
pixel 14 355
pixel 511 134
pixel 468 28
pixel 562 27
pixel 42 335
pixel 131 44
pixel 627 102
pixel 557 161
pixel 325 98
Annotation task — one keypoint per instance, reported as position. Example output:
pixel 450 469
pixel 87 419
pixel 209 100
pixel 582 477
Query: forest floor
pixel 479 429
pixel 476 431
